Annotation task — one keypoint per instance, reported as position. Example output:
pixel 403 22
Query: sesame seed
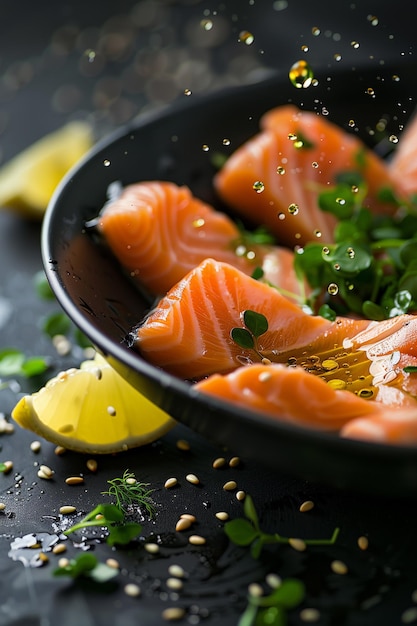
pixel 35 446
pixel 59 548
pixel 182 444
pixel 175 584
pixel 152 548
pixel 74 480
pixel 176 570
pixel 43 557
pixel 170 482
pixel 8 428
pixel 230 485
pixel 173 613
pixel 67 509
pixel 222 516
pixel 112 563
pixel 132 590
pixel 363 542
pixel 131 481
pixel 63 562
pixel 338 567
pixel 2 506
pixel 273 580
pixel 310 615
pixel 60 450
pixel 182 524
pixel 219 462
pixel 193 479
pixel 307 505
pixel 234 461
pixel 92 465
pixel 409 615
pixel 255 590
pixel 240 495
pixel 196 540
pixel 188 516
pixel 297 544
pixel 47 471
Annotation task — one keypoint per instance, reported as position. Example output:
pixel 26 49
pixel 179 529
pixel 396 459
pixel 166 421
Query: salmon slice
pixel 310 152
pixel 159 231
pixel 188 333
pixel 403 165
pixel 389 426
pixel 287 394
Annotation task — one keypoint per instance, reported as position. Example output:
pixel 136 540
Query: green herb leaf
pixel 255 322
pixel 56 324
pixel 327 312
pixel 243 338
pixel 80 566
pixel 42 286
pixel 241 531
pixel 127 491
pixel 410 369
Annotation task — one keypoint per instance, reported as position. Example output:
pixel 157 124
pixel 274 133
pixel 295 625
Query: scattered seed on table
pixel 170 482
pixel 409 615
pixel 92 465
pixel 182 444
pixel 60 450
pixel 310 615
pixel 59 548
pixel 230 485
pixel 74 480
pixel 35 446
pixel 193 479
pixel 63 562
pixel 255 590
pixel 152 548
pixel 43 557
pixel 273 580
pixel 414 596
pixel 67 509
pixel 61 344
pixel 219 462
pixel 222 516
pixel 111 411
pixel 112 563
pixel 8 466
pixel 132 590
pixel 173 613
pixel 6 428
pixel 188 516
pixel 196 540
pixel 234 461
pixel 307 505
pixel 297 544
pixel 175 584
pixel 2 506
pixel 338 567
pixel 47 471
pixel 176 570
pixel 240 495
pixel 183 524
pixel 363 542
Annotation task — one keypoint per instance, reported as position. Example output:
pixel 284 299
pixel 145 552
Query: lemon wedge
pixel 28 181
pixel 92 409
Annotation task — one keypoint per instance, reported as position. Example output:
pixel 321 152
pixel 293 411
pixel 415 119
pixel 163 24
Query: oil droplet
pixel 333 289
pixel 226 142
pixel 337 57
pixel 106 163
pixel 336 266
pixel 314 164
pixel 396 78
pixel 281 216
pixel 354 44
pixel 325 250
pixel 317 233
pixel 246 37
pixel 292 137
pixel 199 222
pixel 258 186
pixel 206 24
pixel 393 139
pixel 205 147
pixel 373 19
pixel 355 189
pixel 315 31
pixel 304 48
pixel 370 91
pixel 365 393
pixel 351 123
pixel 350 253
pixel 187 92
pixel 91 55
pixel 336 383
pixel 280 170
pixel 293 208
pixel 341 201
pixel 301 74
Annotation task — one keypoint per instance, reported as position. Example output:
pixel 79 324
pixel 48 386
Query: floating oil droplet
pixel 351 123
pixel 317 233
pixel 293 208
pixel 258 186
pixel 365 393
pixel 325 250
pixel 315 31
pixel 106 163
pixel 206 24
pixel 354 44
pixel 246 37
pixel 337 57
pixel 304 48
pixel 396 78
pixel 187 92
pixel 370 91
pixel 336 266
pixel 205 147
pixel 281 216
pixel 355 189
pixel 280 170
pixel 314 164
pixel 301 74
pixel 350 253
pixel 333 289
pixel 199 222
pixel 91 55
pixel 373 19
pixel 341 201
pixel 226 142
pixel 393 138
pixel 298 144
pixel 292 137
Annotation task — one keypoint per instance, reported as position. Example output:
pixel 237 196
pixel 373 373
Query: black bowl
pixel 103 303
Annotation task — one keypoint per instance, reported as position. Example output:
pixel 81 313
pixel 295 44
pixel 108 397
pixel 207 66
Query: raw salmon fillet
pixel 188 333
pixel 159 231
pixel 403 165
pixel 326 151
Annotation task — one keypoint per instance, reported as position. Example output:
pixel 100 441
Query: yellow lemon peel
pixel 92 409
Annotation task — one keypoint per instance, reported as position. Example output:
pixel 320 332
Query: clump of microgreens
pixel 371 267
pixel 127 492
pixel 271 609
pixel 86 565
pixel 256 324
pixel 247 532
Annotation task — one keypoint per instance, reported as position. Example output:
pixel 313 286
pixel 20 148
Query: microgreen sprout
pixel 247 532
pixel 127 491
pixel 264 610
pixel 14 362
pixel 410 369
pixel 256 324
pixel 112 518
pixel 86 565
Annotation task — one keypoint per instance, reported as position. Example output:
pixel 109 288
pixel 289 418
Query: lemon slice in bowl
pixel 92 409
pixel 28 181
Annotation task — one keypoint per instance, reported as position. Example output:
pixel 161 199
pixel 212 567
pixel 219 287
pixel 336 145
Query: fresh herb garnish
pixel 371 268
pixel 112 518
pixel 127 491
pixel 247 532
pixel 271 609
pixel 410 369
pixel 256 325
pixel 14 362
pixel 87 565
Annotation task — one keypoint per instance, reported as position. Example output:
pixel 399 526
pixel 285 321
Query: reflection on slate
pixel 109 62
